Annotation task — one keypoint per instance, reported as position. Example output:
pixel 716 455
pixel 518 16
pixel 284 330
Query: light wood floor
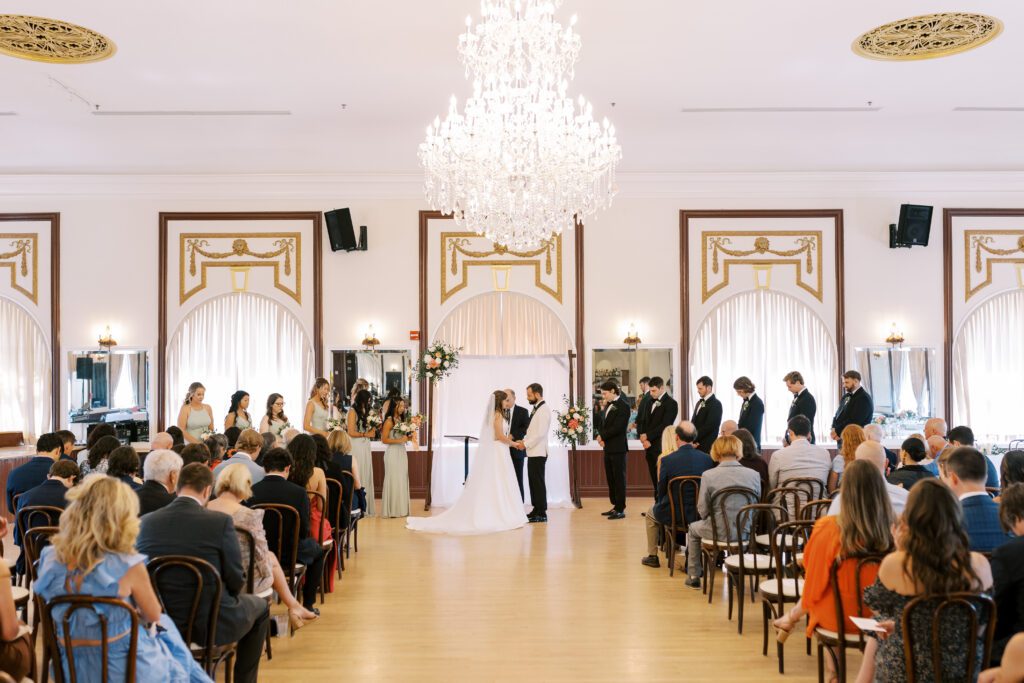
pixel 566 600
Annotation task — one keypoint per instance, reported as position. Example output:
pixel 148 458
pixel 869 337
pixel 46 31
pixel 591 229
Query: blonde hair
pixel 102 518
pixel 852 436
pixel 249 441
pixel 726 445
pixel 865 511
pixel 339 441
pixel 192 389
pixel 668 440
pixel 314 393
pixel 235 479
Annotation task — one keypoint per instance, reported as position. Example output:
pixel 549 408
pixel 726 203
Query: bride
pixel 490 500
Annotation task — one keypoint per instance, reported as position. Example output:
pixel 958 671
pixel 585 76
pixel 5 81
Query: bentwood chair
pixel 320 535
pixel 727 539
pixel 835 643
pixel 250 578
pixel 281 524
pixel 335 493
pixel 349 516
pixel 980 611
pixel 746 564
pixel 787 584
pixel 679 488
pixel 61 642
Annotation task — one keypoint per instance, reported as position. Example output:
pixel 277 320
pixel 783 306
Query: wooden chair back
pixel 980 610
pixel 790 497
pixel 814 488
pixel 32 544
pixel 335 493
pixel 678 487
pixel 201 577
pixel 814 510
pixel 278 521
pixel 249 542
pixel 721 500
pixel 860 563
pixel 785 543
pixel 64 647
pixel 760 518
pixel 347 497
pixel 318 499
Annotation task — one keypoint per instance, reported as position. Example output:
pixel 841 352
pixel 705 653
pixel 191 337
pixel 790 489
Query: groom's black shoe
pixel 533 519
pixel 609 513
pixel 617 515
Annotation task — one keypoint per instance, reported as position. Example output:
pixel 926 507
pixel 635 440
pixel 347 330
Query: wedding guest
pixel 359 385
pixel 963 470
pixel 395 491
pixel 936 445
pixel 195 417
pixel 16 651
pixel 274 421
pixel 360 430
pixel 160 472
pixel 612 438
pixel 1011 668
pixel 216 449
pixel 231 435
pixel 238 412
pixel 318 408
pixel 1012 469
pixel 232 488
pixel 964 436
pixel 34 472
pixel 124 465
pixel 935 426
pixel 97 460
pixel 269 441
pixel 195 452
pixel 323 454
pixel 663 412
pixel 177 436
pixel 752 457
pixel 95 434
pixel 94 554
pixel 51 493
pixel 873 452
pixel 874 432
pixel 932 557
pixel 912 452
pixel 852 437
pixel 729 428
pixel 803 402
pixel 667 446
pixel 289 434
pixel 856 406
pixel 800 458
pixel 248 446
pixel 161 441
pixel 306 474
pixel 67 437
pixel 340 445
pixel 707 414
pixel 752 412
pixel 1008 570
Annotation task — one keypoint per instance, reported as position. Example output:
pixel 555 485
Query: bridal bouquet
pixel 281 429
pixel 333 423
pixel 206 434
pixel 573 424
pixel 438 361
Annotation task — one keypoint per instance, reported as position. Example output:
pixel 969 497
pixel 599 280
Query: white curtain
pixel 899 368
pixel 240 341
pixel 988 364
pixel 504 324
pixel 368 367
pixel 24 373
pixel 764 335
pixel 920 381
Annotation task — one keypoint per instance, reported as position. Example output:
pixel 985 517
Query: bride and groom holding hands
pixel 492 499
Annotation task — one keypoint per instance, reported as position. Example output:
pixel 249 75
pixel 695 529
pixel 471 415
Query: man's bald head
pixel 873 432
pixel 936 444
pixel 162 441
pixel 728 427
pixel 873 452
pixel 935 426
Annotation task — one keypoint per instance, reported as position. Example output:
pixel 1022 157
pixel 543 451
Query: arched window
pixel 24 373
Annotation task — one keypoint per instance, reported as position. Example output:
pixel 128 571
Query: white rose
pixel 445 364
pixel 579 430
pixel 426 357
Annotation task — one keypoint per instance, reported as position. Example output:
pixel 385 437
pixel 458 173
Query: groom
pixel 518 421
pixel 536 444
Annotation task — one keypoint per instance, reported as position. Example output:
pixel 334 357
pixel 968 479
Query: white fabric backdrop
pixel 764 335
pixel 24 373
pixel 988 363
pixel 240 341
pixel 505 324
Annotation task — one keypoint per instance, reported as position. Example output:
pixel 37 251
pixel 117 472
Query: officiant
pixel 519 422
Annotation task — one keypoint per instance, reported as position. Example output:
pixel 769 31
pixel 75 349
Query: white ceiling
pixel 395 65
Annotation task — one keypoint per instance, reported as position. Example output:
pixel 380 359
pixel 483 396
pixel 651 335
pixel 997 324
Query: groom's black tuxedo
pixel 519 422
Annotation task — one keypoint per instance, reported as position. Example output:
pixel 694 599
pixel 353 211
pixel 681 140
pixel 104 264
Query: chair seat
pixel 770 588
pixel 266 594
pixel 20 594
pixel 751 562
pixel 833 636
pixel 356 514
pixel 710 543
pixel 299 567
pixel 800 558
pixel 328 542
pixel 785 540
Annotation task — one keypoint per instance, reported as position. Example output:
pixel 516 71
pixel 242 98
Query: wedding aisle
pixel 566 600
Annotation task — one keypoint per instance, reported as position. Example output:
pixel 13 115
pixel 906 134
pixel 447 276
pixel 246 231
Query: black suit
pixel 854 409
pixel 152 496
pixel 707 418
pixel 643 409
pixel 1008 591
pixel 613 432
pixel 518 424
pixel 185 528
pixel 804 404
pixel 751 417
pixel 685 462
pixel 664 411
pixel 276 489
pixel 50 492
pixel 27 476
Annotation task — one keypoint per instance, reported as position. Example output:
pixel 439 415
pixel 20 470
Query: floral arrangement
pixel 880 419
pixel 438 361
pixel 281 429
pixel 409 428
pixel 573 424
pixel 333 424
pixel 373 421
pixel 206 433
pixel 906 415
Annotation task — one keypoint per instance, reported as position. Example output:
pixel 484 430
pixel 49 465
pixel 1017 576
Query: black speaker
pixel 362 238
pixel 339 229
pixel 914 227
pixel 83 367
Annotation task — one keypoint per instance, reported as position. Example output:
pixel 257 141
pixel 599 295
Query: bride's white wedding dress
pixel 490 500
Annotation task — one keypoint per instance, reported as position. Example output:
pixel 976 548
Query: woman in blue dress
pixel 94 554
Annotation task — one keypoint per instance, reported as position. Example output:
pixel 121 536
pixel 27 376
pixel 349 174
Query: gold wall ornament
pixel 200 251
pixel 982 248
pixel 461 251
pixel 51 40
pixel 928 36
pixel 725 249
pixel 20 253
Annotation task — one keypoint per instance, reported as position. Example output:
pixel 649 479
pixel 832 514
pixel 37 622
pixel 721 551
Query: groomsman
pixel 536 443
pixel 803 403
pixel 643 406
pixel 856 406
pixel 612 438
pixel 707 415
pixel 663 413
pixel 752 412
pixel 518 423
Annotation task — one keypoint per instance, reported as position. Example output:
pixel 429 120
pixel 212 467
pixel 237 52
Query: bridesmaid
pixel 395 497
pixel 361 433
pixel 238 413
pixel 356 388
pixel 195 417
pixel 275 420
pixel 318 410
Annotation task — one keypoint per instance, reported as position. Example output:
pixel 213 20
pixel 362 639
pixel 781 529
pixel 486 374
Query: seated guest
pixel 185 527
pixel 68 439
pixel 34 472
pixel 231 435
pixel 851 437
pixel 862 527
pixel 964 436
pixel 686 461
pixel 233 486
pixel 752 456
pixel 195 452
pixel 123 464
pixel 306 474
pixel 177 436
pixel 161 441
pixel 269 441
pixel 932 557
pixel 800 458
pixel 16 651
pixel 161 480
pixel 873 452
pixel 1008 570
pixel 247 446
pixel 1012 469
pixel 216 448
pixel 95 434
pixel 340 445
pixel 912 452
pixel 728 428
pixel 288 435
pixel 874 432
pixel 937 445
pixel 726 451
pixel 94 554
pixel 963 470
pixel 61 477
pixel 1011 668
pixel 275 488
pixel 98 458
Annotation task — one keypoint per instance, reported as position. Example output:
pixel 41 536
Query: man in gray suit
pixel 728 473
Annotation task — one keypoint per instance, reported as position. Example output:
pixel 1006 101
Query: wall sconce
pixel 106 340
pixel 370 341
pixel 632 338
pixel 762 276
pixel 502 276
pixel 239 279
pixel 895 336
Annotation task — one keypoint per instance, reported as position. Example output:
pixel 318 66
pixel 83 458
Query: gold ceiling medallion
pixel 22 257
pixel 982 248
pixel 461 251
pixel 928 36
pixel 726 249
pixel 235 251
pixel 51 40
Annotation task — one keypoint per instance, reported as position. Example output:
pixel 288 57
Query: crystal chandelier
pixel 522 162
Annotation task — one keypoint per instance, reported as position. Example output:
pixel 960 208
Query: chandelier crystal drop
pixel 522 162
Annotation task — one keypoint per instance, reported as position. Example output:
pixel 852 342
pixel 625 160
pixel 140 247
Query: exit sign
pixel 414 335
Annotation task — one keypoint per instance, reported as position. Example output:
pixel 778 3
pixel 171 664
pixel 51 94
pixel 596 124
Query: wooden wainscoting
pixel 594 485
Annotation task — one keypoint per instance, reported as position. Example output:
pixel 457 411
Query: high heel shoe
pixel 781 634
pixel 297 621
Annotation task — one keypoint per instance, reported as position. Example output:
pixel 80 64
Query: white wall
pixel 109 227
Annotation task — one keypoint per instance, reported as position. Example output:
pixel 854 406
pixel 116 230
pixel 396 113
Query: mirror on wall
pixel 386 370
pixel 109 386
pixel 900 380
pixel 626 367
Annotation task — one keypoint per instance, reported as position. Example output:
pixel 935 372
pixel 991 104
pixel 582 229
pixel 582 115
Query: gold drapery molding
pixel 461 251
pixel 201 251
pixel 982 248
pixel 724 249
pixel 20 253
